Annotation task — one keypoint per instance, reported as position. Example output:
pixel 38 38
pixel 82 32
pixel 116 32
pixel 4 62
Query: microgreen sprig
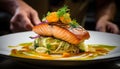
pixel 62 11
pixel 74 24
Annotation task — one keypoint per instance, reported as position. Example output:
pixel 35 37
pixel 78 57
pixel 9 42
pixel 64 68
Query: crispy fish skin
pixel 73 36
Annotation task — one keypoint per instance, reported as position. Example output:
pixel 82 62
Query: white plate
pixel 95 38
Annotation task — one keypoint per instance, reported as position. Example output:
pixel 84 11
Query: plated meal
pixel 59 37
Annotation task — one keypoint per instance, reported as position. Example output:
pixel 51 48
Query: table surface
pixel 12 64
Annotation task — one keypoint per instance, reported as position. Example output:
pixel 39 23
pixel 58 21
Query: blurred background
pixel 89 20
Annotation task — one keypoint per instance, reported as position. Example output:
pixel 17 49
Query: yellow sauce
pixel 95 50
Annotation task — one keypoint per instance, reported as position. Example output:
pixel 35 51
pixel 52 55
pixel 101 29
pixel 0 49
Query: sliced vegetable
pixel 33 37
pixel 83 47
pixel 41 49
pixel 65 18
pixel 52 17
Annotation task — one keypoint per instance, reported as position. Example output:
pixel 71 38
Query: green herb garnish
pixel 74 24
pixel 62 11
pixel 36 43
pixel 48 47
pixel 44 18
pixel 48 13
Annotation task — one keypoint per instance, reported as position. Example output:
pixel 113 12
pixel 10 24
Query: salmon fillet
pixel 73 36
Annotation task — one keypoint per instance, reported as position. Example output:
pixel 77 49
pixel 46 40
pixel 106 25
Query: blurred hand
pixel 24 18
pixel 107 26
